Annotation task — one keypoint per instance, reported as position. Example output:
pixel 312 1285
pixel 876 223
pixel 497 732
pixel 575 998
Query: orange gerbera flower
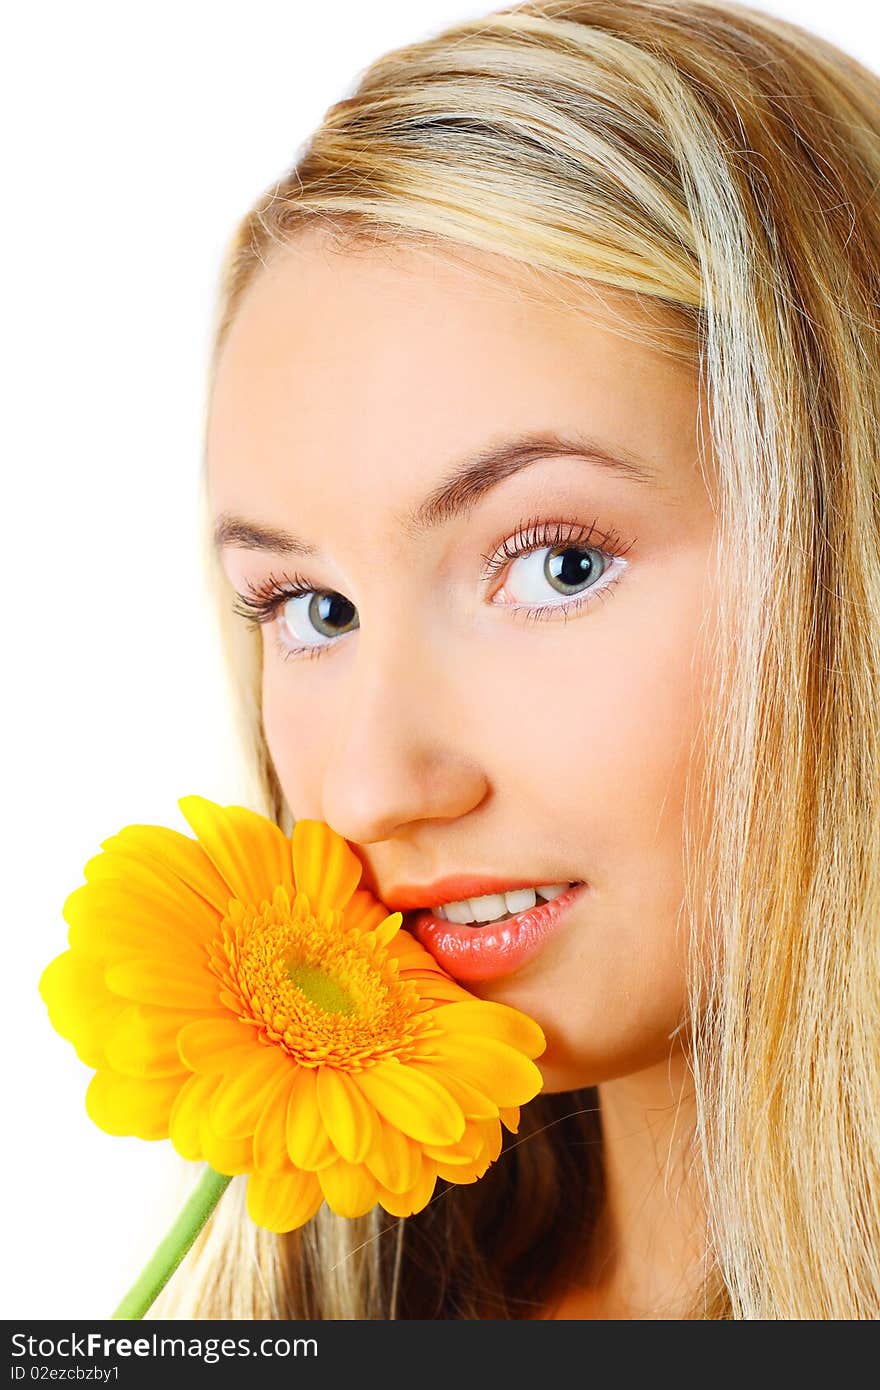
pixel 240 995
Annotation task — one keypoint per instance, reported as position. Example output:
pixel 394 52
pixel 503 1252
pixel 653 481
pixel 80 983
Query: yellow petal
pixel 224 1154
pixel 80 1006
pixel 131 1105
pixel 411 955
pixel 112 919
pixel 394 1159
pixel 350 1122
pixel 241 1094
pixel 463 1172
pixel 173 853
pixel 349 1189
pixel 486 1018
pixel 494 1068
pixel 161 982
pixel 249 851
pixel 70 985
pixel 185 1120
pixel 143 1042
pixel 325 867
pixel 270 1135
pixel 364 911
pixel 510 1117
pixel 283 1202
pixel 307 1143
pixel 474 1104
pixel 222 1043
pixel 387 930
pixel 413 1101
pixel 433 989
pixel 125 884
pixel 470 1147
pixel 493 1136
pixel 407 1203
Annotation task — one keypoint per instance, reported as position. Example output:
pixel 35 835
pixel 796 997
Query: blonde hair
pixel 722 164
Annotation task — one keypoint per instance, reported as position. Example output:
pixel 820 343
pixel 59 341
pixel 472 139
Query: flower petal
pixel 185 1120
pixel 469 1148
pixel 364 911
pixel 474 1104
pixel 494 1068
pixel 250 852
pixel 411 955
pixel 80 1006
pixel 241 1094
pixel 169 851
pixel 161 982
pixel 349 1189
pixel 433 989
pixel 143 1042
pixel 387 930
pixel 132 1105
pixel 270 1135
pixel 510 1117
pixel 463 1172
pixel 225 1154
pixel 486 1018
pixel 494 1137
pixel 138 913
pixel 394 1159
pixel 325 867
pixel 283 1202
pixel 217 1044
pixel 413 1101
pixel 349 1120
pixel 307 1143
pixel 418 1196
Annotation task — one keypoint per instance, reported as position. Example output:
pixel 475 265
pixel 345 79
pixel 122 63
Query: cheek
pixel 288 724
pixel 598 738
pixel 604 753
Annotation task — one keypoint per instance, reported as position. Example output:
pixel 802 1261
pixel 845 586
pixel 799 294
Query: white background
pixel 135 137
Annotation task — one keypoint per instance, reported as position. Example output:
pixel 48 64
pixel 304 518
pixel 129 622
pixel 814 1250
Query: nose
pixel 397 754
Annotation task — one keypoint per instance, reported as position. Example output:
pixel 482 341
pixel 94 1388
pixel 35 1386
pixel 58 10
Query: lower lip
pixel 485 952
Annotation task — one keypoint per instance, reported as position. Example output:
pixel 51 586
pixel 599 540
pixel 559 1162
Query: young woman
pixel 578 302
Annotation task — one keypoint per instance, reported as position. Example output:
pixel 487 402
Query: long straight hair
pixel 721 165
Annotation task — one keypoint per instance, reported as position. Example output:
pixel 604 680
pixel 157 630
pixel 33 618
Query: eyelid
pixel 537 534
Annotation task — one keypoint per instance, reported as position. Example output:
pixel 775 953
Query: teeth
pixel 492 906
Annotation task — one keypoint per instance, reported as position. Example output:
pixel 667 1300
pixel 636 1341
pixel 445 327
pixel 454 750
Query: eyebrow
pixel 459 491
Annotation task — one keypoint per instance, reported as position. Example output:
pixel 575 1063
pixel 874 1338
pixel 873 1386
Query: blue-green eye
pixel 546 562
pixel 316 614
pixel 565 570
pixel 309 615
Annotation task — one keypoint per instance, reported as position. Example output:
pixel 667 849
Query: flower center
pixel 323 991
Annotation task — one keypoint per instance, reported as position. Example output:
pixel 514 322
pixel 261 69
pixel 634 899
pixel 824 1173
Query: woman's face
pixel 531 725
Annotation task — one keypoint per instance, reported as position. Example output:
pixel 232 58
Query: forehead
pixel 364 363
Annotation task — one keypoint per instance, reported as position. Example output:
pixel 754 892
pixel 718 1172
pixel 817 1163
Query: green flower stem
pixel 168 1255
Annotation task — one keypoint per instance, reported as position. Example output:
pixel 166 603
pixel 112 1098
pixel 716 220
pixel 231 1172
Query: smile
pixel 499 940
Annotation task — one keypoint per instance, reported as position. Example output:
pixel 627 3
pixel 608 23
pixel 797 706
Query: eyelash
pixel 534 534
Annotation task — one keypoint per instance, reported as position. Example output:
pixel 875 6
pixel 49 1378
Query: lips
pixel 406 897
pixel 489 950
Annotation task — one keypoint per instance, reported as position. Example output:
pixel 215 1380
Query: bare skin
pixel 445 731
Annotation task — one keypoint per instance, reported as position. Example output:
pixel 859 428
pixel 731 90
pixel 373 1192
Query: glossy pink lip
pixel 486 952
pixel 452 889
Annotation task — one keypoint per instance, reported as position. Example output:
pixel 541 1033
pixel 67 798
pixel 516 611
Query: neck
pixel 648 1255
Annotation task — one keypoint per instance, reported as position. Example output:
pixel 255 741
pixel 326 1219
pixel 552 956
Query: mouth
pixel 514 929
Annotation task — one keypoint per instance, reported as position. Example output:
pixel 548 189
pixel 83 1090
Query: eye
pixel 556 558
pixel 289 604
pixel 315 615
pixel 565 570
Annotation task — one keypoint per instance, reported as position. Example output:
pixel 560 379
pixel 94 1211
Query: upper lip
pixel 404 897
